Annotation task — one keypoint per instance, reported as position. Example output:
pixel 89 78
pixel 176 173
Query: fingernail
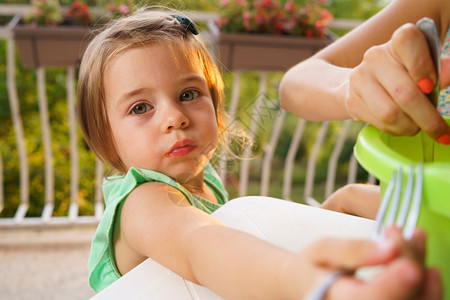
pixel 444 139
pixel 385 246
pixel 425 85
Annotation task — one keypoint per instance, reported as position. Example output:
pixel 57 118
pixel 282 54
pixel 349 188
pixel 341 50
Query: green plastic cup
pixel 380 153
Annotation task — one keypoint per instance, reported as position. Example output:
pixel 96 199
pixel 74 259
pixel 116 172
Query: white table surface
pixel 289 225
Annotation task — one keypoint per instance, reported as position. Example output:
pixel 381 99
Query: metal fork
pixel 408 215
pixel 387 215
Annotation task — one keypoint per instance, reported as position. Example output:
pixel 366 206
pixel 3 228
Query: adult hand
pixel 383 89
pixel 403 277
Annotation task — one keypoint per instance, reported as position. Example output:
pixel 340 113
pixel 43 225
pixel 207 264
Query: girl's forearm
pixel 237 265
pixel 315 90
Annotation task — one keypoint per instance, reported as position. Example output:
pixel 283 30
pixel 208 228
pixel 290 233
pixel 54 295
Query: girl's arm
pixel 157 222
pixel 353 77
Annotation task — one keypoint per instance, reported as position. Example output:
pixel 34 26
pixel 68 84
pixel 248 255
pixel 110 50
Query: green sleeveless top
pixel 102 265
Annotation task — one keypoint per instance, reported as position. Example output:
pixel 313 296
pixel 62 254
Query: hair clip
pixel 187 24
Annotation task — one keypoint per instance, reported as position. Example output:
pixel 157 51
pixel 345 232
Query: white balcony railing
pixel 294 174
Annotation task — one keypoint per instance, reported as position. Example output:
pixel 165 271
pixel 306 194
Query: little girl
pixel 150 105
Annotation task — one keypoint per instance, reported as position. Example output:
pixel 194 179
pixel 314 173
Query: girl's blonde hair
pixel 142 27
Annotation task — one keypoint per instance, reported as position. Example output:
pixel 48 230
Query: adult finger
pixel 369 80
pixel 351 254
pixel 418 243
pixel 409 46
pixel 407 98
pixel 420 110
pixel 432 288
pixel 398 280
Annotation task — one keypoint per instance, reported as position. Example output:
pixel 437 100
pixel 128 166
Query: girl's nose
pixel 175 119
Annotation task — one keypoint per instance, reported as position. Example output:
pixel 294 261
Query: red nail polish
pixel 425 85
pixel 444 139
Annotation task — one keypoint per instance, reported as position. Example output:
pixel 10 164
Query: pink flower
pixel 275 16
pixel 319 25
pixel 325 14
pixel 247 20
pixel 224 21
pixel 259 19
pixel 247 16
pixel 124 9
pixel 288 26
pixel 289 6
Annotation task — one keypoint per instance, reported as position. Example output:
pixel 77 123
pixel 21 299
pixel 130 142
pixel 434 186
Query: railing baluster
pixel 334 158
pixel 311 166
pixel 254 124
pixel 234 101
pixel 73 212
pixel 73 217
pixel 47 212
pixel 371 179
pixel 47 143
pixel 2 201
pixel 269 153
pixel 74 157
pixel 290 158
pixel 352 170
pixel 18 129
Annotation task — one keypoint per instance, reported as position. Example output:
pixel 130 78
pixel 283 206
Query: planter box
pixel 50 46
pixel 264 52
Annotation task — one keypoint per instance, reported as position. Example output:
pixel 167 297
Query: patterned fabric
pixel 444 98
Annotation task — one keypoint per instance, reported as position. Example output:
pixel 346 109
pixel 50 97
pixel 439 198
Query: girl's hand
pixel 384 91
pixel 403 277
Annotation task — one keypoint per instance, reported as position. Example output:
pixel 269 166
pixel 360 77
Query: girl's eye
pixel 189 95
pixel 141 108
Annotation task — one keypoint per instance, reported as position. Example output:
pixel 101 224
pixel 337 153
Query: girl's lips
pixel 181 148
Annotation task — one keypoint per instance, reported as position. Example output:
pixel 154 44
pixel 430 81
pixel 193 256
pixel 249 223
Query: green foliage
pixel 57 104
pixel 44 12
pixel 58 115
pixel 355 9
pixel 199 5
pixel 274 17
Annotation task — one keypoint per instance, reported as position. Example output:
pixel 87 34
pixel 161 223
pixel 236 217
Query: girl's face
pixel 160 112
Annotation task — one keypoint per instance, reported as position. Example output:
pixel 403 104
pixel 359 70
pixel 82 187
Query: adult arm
pixel 371 73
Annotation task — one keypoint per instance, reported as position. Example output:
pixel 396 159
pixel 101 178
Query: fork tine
pixel 411 216
pixel 414 212
pixel 395 200
pixel 376 234
pixel 406 200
